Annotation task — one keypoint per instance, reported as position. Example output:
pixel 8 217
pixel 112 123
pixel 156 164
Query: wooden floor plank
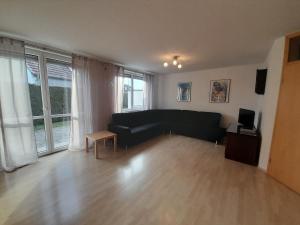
pixel 167 180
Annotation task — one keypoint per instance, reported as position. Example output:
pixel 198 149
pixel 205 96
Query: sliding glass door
pixel 60 86
pixel 36 98
pixel 50 86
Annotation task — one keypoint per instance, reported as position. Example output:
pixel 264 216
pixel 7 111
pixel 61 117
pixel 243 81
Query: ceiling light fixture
pixel 175 62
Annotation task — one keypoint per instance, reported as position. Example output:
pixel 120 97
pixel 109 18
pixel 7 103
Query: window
pixel 133 91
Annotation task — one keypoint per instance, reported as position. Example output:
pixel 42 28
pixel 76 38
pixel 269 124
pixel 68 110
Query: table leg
pixel 115 143
pixel 96 153
pixel 104 142
pixel 86 144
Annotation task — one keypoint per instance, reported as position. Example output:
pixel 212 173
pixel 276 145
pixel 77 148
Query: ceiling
pixel 141 34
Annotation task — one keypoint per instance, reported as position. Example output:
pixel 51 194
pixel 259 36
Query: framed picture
pixel 184 92
pixel 219 91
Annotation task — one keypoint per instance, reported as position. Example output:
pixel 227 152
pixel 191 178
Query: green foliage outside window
pixel 60 98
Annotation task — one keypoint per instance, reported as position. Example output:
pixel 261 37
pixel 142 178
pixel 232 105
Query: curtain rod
pixel 48 51
pixel 58 51
pixel 69 54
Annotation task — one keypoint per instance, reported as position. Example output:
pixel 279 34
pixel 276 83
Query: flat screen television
pixel 246 118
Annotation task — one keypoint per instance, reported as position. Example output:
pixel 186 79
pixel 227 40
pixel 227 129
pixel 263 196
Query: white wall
pixel 267 104
pixel 242 93
pixel 242 90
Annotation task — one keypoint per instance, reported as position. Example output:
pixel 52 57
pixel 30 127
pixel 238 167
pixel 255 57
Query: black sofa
pixel 135 127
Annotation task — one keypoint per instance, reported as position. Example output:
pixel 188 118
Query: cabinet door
pixel 242 148
pixel 284 162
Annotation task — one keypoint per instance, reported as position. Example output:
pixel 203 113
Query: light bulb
pixel 166 64
pixel 179 66
pixel 174 62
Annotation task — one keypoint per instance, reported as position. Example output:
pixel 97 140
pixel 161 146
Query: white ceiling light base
pixel 175 62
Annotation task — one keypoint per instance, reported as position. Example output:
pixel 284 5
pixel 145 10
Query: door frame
pixel 284 65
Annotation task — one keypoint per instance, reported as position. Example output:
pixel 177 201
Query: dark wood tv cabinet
pixel 242 147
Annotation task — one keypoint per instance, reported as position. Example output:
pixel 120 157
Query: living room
pixel 149 112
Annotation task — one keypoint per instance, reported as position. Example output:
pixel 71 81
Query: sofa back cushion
pixel 173 116
pixel 205 119
pixel 153 115
pixel 134 119
pixel 130 119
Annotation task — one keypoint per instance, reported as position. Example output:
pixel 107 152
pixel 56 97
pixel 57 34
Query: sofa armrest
pixel 119 129
pixel 211 133
pixel 219 133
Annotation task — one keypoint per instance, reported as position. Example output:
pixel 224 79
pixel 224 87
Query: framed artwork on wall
pixel 219 91
pixel 184 91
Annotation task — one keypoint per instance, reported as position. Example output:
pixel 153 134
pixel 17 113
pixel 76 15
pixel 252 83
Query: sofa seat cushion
pixel 144 127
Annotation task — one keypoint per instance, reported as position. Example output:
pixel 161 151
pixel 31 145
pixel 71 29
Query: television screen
pixel 246 118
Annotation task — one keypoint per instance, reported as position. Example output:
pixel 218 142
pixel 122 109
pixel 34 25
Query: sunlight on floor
pixel 18 192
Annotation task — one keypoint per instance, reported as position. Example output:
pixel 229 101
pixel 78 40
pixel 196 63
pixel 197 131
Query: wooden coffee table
pixel 98 136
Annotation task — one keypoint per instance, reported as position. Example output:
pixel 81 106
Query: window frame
pixel 47 116
pixel 138 76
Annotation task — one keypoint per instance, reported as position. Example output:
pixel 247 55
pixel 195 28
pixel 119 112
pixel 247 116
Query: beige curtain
pixel 94 97
pixel 103 76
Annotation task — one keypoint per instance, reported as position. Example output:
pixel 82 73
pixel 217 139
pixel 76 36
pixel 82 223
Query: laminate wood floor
pixel 167 180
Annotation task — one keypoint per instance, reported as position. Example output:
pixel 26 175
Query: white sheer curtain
pixel 148 97
pixel 17 143
pixel 118 89
pixel 81 108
